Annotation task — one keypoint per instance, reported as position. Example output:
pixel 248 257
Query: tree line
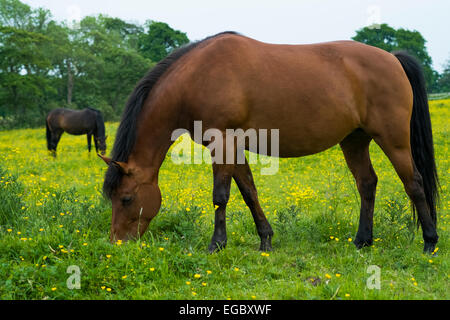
pixel 45 64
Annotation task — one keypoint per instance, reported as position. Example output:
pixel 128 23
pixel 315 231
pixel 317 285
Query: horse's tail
pixel 421 134
pixel 48 133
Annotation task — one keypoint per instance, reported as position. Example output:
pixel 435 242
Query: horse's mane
pixel 126 133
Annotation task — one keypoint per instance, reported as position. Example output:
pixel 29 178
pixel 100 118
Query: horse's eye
pixel 126 200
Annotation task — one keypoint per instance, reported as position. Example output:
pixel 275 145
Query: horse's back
pixel 76 122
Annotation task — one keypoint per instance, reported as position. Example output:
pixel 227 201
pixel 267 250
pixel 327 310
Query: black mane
pixel 126 133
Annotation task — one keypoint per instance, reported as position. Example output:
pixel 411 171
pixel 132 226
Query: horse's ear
pixel 108 161
pixel 122 166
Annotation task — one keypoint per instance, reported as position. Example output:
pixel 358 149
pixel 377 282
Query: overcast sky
pixel 276 21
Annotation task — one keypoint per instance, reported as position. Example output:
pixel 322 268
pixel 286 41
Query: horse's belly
pixel 304 131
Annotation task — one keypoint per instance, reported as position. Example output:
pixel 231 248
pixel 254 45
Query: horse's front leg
pixel 89 141
pixel 96 143
pixel 244 179
pixel 221 194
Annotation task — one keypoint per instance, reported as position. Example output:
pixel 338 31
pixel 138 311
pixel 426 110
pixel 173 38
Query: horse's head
pixel 135 199
pixel 101 144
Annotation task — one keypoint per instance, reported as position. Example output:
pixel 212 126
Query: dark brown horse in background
pixel 317 95
pixel 76 122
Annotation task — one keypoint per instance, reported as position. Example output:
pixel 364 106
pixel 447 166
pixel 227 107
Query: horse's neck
pixel 99 131
pixel 154 137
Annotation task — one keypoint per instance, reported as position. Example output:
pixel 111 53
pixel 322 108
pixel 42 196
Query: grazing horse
pixel 77 122
pixel 317 95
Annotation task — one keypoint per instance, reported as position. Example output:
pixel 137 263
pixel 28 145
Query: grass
pixel 52 216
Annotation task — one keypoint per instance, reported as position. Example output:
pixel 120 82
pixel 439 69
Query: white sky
pixel 276 21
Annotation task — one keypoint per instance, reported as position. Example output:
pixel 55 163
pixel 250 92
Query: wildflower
pixel 236 269
pixel 188 283
pixel 327 276
pixel 152 269
pixel 349 239
pixel 196 276
pixel 208 271
pixel 103 287
pixel 204 284
pixel 119 242
pixel 85 244
pixel 9 230
pixel 161 249
pixel 347 295
pixel 430 261
pixel 338 275
pixel 108 289
pixel 194 293
pixel 124 277
pixel 108 256
pixel 54 289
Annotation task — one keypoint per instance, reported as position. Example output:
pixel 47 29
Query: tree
pixel 444 79
pixel 45 64
pixel 160 40
pixel 389 39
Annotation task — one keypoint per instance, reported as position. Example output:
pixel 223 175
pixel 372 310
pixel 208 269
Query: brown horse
pixel 77 122
pixel 317 95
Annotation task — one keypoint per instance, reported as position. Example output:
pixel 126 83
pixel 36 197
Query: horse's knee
pixel 220 196
pixel 367 187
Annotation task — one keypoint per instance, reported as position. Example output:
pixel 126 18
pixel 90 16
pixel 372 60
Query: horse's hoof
pixel 266 245
pixel 216 246
pixel 361 243
pixel 429 247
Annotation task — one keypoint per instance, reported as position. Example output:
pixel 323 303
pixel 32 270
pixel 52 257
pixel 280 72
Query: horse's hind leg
pixel 397 148
pixel 221 194
pixel 244 180
pixel 356 152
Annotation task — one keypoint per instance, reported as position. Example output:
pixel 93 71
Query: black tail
pixel 421 133
pixel 49 135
